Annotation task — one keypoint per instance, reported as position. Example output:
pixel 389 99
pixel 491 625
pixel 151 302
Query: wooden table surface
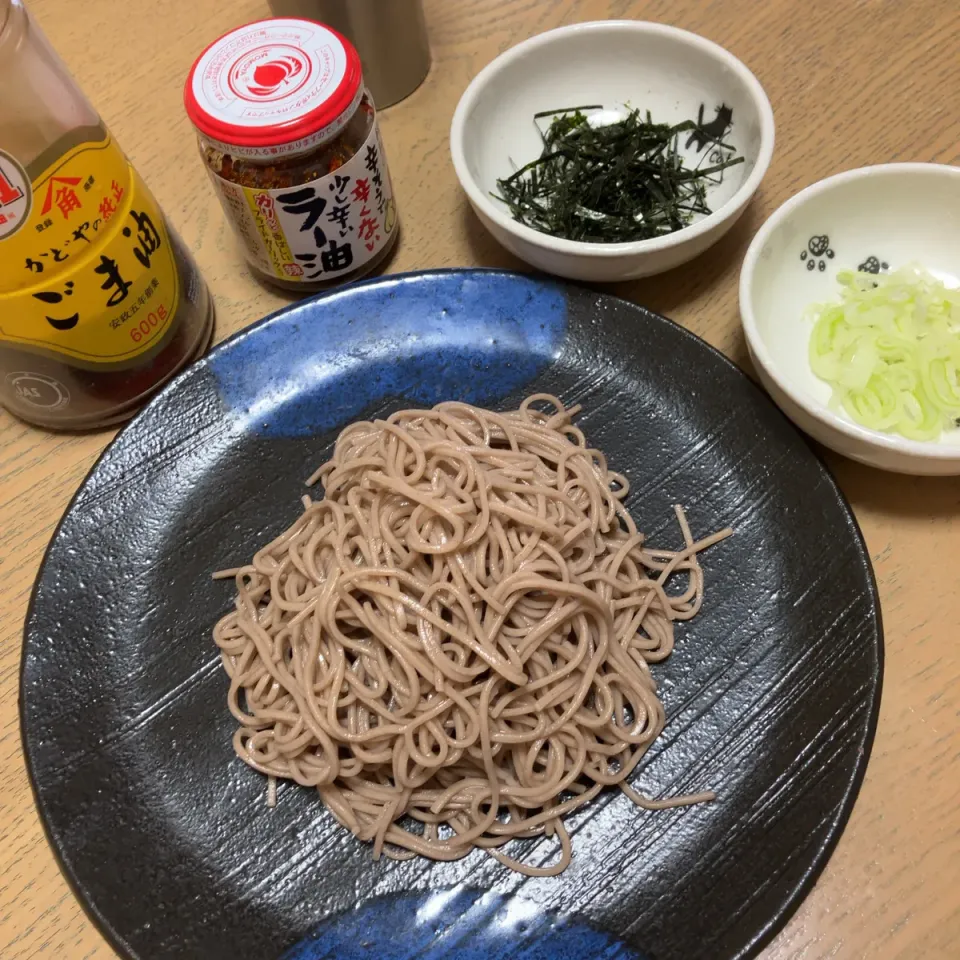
pixel 853 82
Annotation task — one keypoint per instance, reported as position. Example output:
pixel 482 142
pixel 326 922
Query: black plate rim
pixel 789 905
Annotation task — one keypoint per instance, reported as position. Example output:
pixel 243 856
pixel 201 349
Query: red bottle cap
pixel 274 87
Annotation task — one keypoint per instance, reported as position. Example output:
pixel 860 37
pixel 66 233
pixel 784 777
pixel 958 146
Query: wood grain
pixel 852 83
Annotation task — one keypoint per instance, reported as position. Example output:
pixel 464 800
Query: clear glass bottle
pixel 290 139
pixel 100 302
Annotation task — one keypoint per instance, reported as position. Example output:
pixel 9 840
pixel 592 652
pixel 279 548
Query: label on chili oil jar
pixel 320 229
pixel 87 270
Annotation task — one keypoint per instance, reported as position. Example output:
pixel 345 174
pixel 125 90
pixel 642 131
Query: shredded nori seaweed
pixel 614 183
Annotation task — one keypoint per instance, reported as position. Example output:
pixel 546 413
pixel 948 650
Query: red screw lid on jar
pixel 273 87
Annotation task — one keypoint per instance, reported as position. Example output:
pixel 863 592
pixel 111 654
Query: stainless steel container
pixel 390 35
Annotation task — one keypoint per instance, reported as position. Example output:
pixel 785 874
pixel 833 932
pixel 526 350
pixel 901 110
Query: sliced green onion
pixel 890 349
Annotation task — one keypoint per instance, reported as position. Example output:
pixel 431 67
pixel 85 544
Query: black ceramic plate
pixel 771 694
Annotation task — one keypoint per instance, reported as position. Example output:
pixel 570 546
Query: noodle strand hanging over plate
pixel 453 644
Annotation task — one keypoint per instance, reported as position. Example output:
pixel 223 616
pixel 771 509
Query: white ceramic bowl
pixel 896 214
pixel 618 63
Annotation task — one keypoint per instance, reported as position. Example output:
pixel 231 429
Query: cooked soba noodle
pixel 452 645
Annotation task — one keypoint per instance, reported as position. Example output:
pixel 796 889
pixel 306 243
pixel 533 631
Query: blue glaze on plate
pixel 468 924
pixel 476 336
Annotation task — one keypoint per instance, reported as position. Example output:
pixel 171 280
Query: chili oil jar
pixel 290 139
pixel 100 302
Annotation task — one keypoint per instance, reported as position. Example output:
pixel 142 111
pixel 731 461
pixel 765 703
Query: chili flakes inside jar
pixel 290 138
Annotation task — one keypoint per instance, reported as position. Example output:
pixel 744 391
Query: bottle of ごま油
pixel 100 303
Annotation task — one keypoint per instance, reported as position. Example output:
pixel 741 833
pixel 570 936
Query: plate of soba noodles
pixel 452 614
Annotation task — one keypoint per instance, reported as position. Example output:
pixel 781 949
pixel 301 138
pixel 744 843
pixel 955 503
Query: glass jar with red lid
pixel 290 139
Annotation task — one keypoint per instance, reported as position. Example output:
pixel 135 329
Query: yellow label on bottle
pixel 87 269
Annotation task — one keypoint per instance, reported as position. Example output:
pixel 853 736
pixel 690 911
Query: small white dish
pixel 617 63
pixel 871 218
